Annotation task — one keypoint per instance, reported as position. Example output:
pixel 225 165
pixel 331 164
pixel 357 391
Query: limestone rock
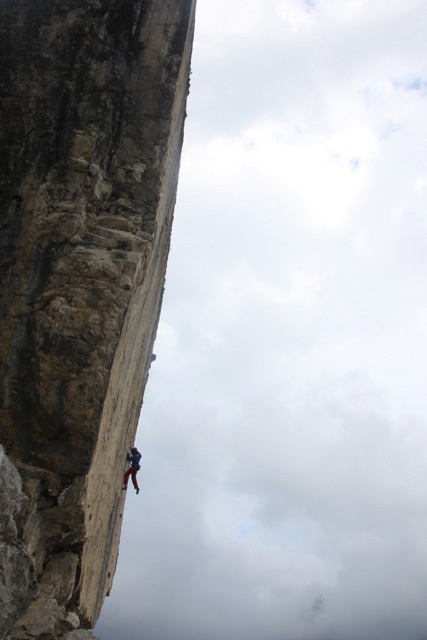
pixel 11 498
pixel 45 619
pixel 59 577
pixel 79 634
pixel 17 584
pixel 92 109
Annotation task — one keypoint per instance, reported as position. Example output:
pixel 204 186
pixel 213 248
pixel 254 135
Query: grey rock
pixel 80 634
pixel 11 497
pixel 59 576
pixel 43 618
pixel 17 584
pixel 93 110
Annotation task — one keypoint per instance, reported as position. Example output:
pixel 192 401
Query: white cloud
pixel 296 14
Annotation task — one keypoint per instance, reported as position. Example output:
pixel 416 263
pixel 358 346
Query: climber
pixel 134 460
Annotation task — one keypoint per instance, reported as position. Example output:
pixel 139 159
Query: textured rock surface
pixel 17 584
pixel 92 107
pixel 79 634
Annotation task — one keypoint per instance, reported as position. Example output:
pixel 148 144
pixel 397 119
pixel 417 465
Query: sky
pixel 284 426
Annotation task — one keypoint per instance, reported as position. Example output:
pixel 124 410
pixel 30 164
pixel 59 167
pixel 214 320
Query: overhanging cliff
pixel 92 108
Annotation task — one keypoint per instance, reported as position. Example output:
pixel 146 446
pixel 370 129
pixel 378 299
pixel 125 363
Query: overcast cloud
pixel 284 437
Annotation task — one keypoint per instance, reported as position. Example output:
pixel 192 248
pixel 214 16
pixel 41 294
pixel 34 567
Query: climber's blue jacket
pixel 134 459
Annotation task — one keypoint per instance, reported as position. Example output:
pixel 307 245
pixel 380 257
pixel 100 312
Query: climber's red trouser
pixel 133 471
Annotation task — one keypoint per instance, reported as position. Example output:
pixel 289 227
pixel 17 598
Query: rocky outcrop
pixel 92 107
pixel 17 585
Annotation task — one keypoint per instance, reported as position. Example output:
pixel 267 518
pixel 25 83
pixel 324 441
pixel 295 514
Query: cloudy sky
pixel 284 428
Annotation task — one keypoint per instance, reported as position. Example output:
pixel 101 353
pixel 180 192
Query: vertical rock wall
pixel 92 107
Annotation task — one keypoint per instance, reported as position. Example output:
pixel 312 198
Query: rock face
pixel 17 585
pixel 92 108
